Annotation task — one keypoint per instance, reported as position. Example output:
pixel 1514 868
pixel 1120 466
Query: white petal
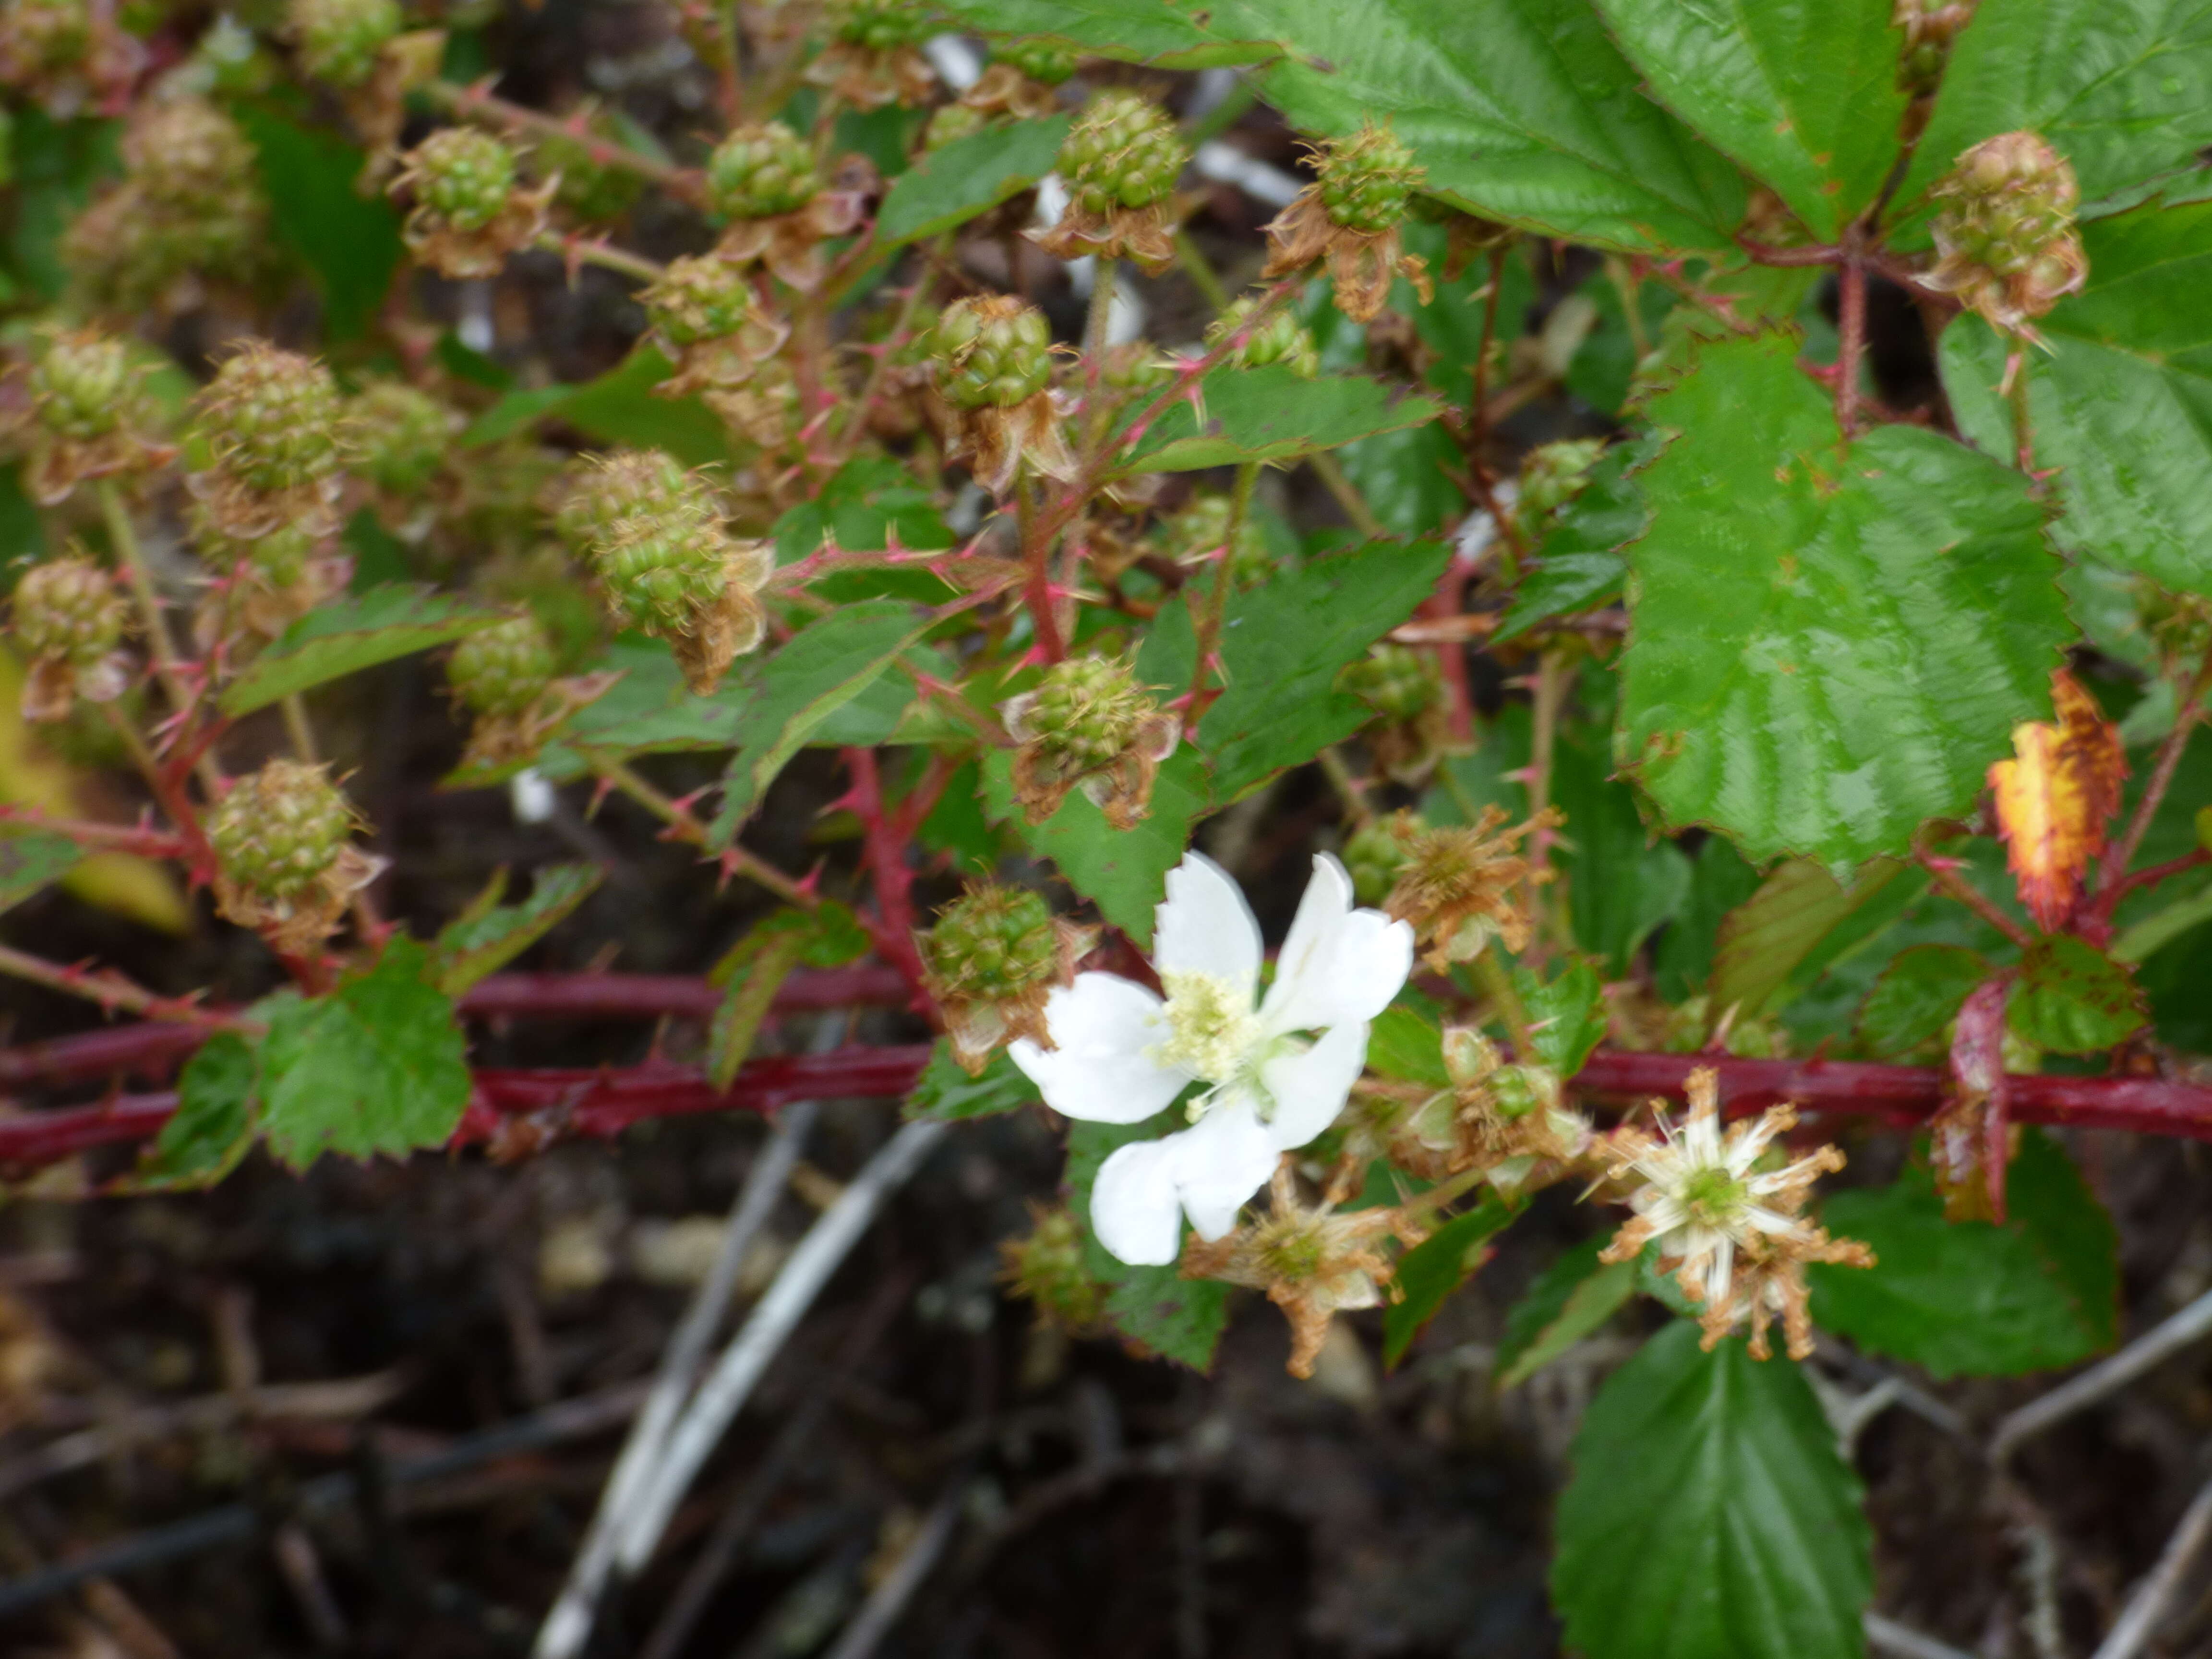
pixel 1204 925
pixel 1105 1027
pixel 1310 1089
pixel 1219 1162
pixel 1339 964
pixel 1134 1208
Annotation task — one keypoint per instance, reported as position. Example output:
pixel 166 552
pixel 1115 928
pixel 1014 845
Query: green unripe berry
pixel 503 669
pixel 1280 340
pixel 280 830
pixel 993 943
pixel 83 385
pixel 1373 856
pixel 37 36
pixel 1048 1270
pixel 760 171
pixel 273 419
pixel 991 351
pixel 1518 1090
pixel 400 435
pixel 1397 682
pixel 340 41
pixel 1200 527
pixel 463 175
pixel 699 297
pixel 661 570
pixel 604 490
pixel 1087 712
pixel 882 25
pixel 1367 179
pixel 590 190
pixel 952 124
pixel 1554 474
pixel 68 608
pixel 1124 151
pixel 1040 60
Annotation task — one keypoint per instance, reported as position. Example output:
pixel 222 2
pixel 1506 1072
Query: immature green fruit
pixel 2005 229
pixel 699 298
pixel 67 610
pixel 592 191
pixel 662 568
pixel 1280 340
pixel 991 351
pixel 504 669
pixel 991 944
pixel 279 832
pixel 1398 683
pixel 1376 853
pixel 1040 60
pixel 1367 179
pixel 1087 710
pixel 882 25
pixel 400 435
pixel 1553 475
pixel 761 170
pixel 1198 531
pixel 603 489
pixel 1124 151
pixel 952 124
pixel 83 385
pixel 463 175
pixel 272 419
pixel 40 36
pixel 340 41
pixel 188 155
pixel 1047 1270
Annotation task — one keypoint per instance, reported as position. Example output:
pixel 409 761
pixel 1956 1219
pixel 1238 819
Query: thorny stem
pixel 1349 790
pixel 1038 530
pixel 1498 985
pixel 902 331
pixel 886 843
pixel 1553 675
pixel 1947 878
pixel 299 729
pixel 1330 471
pixel 605 256
pixel 167 663
pixel 2111 880
pixel 684 826
pixel 1100 318
pixel 108 837
pixel 1216 604
pixel 110 989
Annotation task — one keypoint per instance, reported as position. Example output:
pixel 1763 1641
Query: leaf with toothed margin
pixel 1828 643
pixel 347 635
pixel 950 186
pixel 1272 414
pixel 487 935
pixel 1162 34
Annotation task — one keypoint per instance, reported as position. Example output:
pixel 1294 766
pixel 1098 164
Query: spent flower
pixel 1089 724
pixel 994 956
pixel 1276 1069
pixel 1463 885
pixel 1349 217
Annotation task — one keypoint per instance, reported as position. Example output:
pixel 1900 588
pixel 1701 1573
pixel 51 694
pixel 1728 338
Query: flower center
pixel 1713 1196
pixel 1211 1027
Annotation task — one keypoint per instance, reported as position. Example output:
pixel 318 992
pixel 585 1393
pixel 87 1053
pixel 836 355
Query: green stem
pixel 1217 605
pixel 2023 431
pixel 1201 270
pixel 1331 472
pixel 1349 789
pixel 299 729
pixel 124 536
pixel 1498 985
pixel 684 827
pixel 1102 312
pixel 1553 675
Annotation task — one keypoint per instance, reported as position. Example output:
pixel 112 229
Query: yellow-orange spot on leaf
pixel 2054 797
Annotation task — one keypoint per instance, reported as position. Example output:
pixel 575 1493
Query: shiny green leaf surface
pixel 949 186
pixel 347 635
pixel 1271 414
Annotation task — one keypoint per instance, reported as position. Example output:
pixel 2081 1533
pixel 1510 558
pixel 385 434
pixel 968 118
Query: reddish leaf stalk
pixel 1850 326
pixel 145 842
pixel 2112 876
pixel 886 844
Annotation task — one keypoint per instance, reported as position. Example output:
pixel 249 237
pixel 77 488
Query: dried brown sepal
pixel 764 410
pixel 297 923
pixel 2054 797
pixel 1970 1139
pixel 1361 264
pixel 1002 90
pixel 869 77
pixel 721 364
pixel 998 442
pixel 1312 1262
pixel 462 254
pixel 1769 1285
pixel 54 467
pixel 1462 884
pixel 503 740
pixel 1144 234
pixel 978 1027
pixel 790 243
pixel 52 685
pixel 733 626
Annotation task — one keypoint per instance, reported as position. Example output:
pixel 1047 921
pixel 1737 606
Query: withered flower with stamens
pixel 470 210
pixel 708 322
pixel 1349 217
pixel 1090 725
pixel 1313 1263
pixel 1504 1119
pixel 1461 886
pixel 70 619
pixel 874 57
pixel 993 958
pixel 2004 227
pixel 763 179
pixel 991 361
pixel 1121 162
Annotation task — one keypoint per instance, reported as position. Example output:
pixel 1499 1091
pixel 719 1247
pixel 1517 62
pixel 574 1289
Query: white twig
pixel 2148 1608
pixel 881 1611
pixel 773 1318
pixel 1886 1636
pixel 567 1626
pixel 2158 1343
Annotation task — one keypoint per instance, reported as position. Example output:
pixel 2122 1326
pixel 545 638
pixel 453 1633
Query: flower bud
pixel 1124 151
pixel 1089 722
pixel 1929 27
pixel 1552 476
pixel 504 669
pixel 1281 339
pixel 1047 1270
pixel 340 41
pixel 2005 230
pixel 990 962
pixel 991 351
pixel 285 862
pixel 400 435
pixel 1367 179
pixel 761 170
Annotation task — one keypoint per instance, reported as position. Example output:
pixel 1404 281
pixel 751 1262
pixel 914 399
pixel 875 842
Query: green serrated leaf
pixel 489 935
pixel 1272 414
pixel 379 1064
pixel 2072 999
pixel 350 241
pixel 1720 880
pixel 949 186
pixel 1154 32
pixel 1827 646
pixel 2124 89
pixel 617 408
pixel 1580 564
pixel 1122 872
pixel 1709 1515
pixel 747 995
pixel 1802 93
pixel 1520 110
pixel 1571 1300
pixel 1765 942
pixel 2120 396
pixel 217 1094
pixel 1429 1272
pixel 1975 1298
pixel 348 635
pixel 1916 996
pixel 1622 883
pixel 945 1090
pixel 32 860
pixel 1283 645
pixel 1566 1017
pixel 1405 1044
pixel 811 676
pixel 869 505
